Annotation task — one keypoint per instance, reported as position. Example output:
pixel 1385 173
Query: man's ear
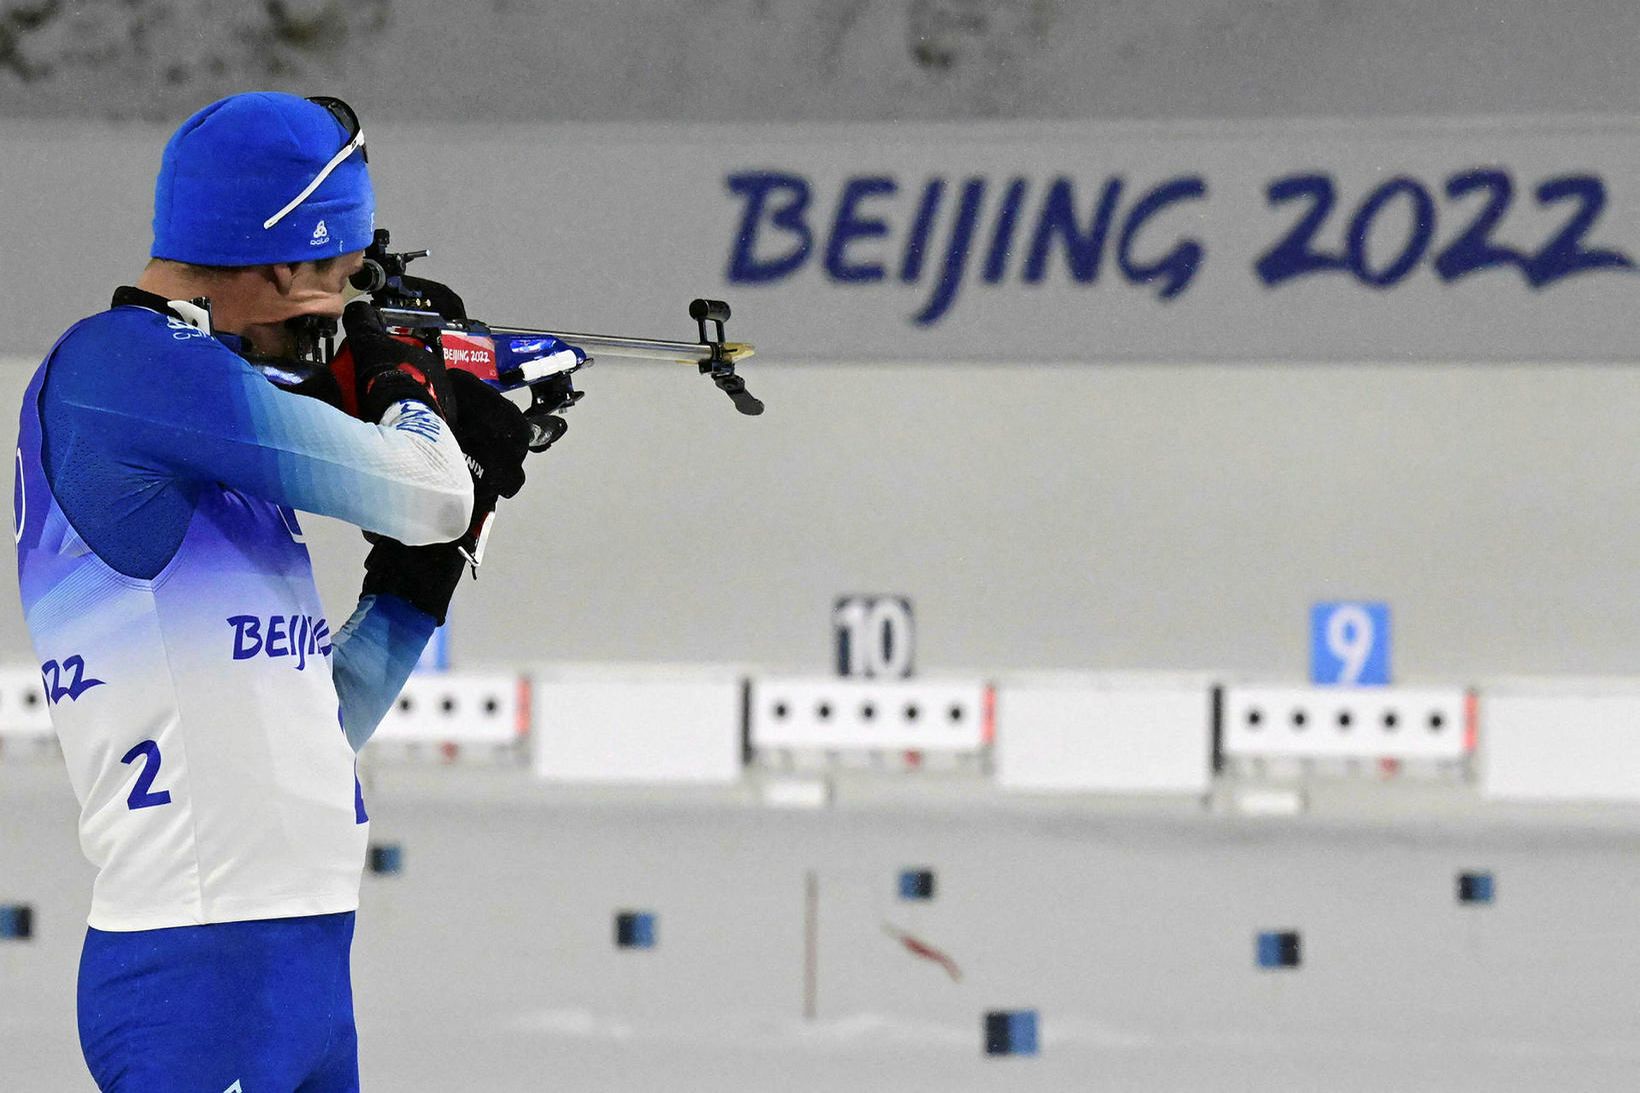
pixel 283 276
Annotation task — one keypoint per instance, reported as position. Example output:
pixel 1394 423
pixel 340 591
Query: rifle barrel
pixel 652 349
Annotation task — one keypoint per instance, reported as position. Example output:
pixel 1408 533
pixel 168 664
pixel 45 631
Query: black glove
pixel 493 434
pixel 424 576
pixel 495 438
pixel 376 369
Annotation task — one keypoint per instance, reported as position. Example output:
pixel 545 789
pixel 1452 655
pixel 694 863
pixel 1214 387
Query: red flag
pixel 917 947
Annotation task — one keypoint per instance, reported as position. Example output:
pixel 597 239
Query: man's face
pixel 321 288
pixel 290 291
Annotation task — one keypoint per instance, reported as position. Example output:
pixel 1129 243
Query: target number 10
pixel 873 636
pixel 1349 644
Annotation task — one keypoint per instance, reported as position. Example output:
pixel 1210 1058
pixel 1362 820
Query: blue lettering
pixel 758 187
pixel 275 646
pixel 417 419
pixel 1083 253
pixel 1296 254
pixel 1002 236
pixel 247 636
pixel 276 636
pixel 774 238
pixel 1178 266
pixel 849 226
pixel 142 794
pixel 52 675
pixel 956 254
pixel 1567 253
pixel 1422 231
pixel 1473 249
pixel 927 209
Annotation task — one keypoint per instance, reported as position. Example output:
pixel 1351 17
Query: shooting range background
pixel 1064 512
pixel 1108 510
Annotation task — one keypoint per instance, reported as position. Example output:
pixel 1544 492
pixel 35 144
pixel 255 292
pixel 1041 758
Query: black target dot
pixel 1255 718
pixel 1391 719
pixel 1300 718
pixel 448 705
pixel 491 707
pixel 955 714
pixel 823 711
pixel 1436 722
pixel 780 710
pixel 868 712
pixel 912 712
pixel 405 704
pixel 1345 719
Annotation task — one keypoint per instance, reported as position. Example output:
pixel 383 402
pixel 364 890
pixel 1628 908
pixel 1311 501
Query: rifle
pixel 543 361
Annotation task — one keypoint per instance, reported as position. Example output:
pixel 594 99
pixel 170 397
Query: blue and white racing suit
pixel 208 713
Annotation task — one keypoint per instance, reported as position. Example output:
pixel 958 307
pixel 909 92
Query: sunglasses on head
pixel 345 117
pixel 349 121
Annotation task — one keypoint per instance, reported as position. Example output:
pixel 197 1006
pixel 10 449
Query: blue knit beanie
pixel 233 187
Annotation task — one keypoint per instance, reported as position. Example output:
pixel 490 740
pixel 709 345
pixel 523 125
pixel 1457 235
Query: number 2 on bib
pixel 142 794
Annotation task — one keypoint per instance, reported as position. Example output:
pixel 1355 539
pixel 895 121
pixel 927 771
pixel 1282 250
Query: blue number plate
pixel 1349 644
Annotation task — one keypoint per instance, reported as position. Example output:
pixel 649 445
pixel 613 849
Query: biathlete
pixel 208 713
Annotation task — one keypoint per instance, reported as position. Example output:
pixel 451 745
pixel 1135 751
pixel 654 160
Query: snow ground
pixel 489 965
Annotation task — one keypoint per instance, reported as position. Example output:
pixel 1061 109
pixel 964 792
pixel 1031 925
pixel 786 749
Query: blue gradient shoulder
pixel 125 332
pixel 125 343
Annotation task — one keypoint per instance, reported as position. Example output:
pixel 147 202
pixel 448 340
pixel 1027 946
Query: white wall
pixel 1561 740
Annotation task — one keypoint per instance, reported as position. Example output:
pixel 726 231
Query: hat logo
pixel 320 236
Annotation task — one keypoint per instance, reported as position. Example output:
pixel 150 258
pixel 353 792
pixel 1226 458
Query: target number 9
pixel 873 636
pixel 1349 644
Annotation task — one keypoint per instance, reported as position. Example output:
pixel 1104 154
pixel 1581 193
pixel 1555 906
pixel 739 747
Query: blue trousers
pixel 254 1007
